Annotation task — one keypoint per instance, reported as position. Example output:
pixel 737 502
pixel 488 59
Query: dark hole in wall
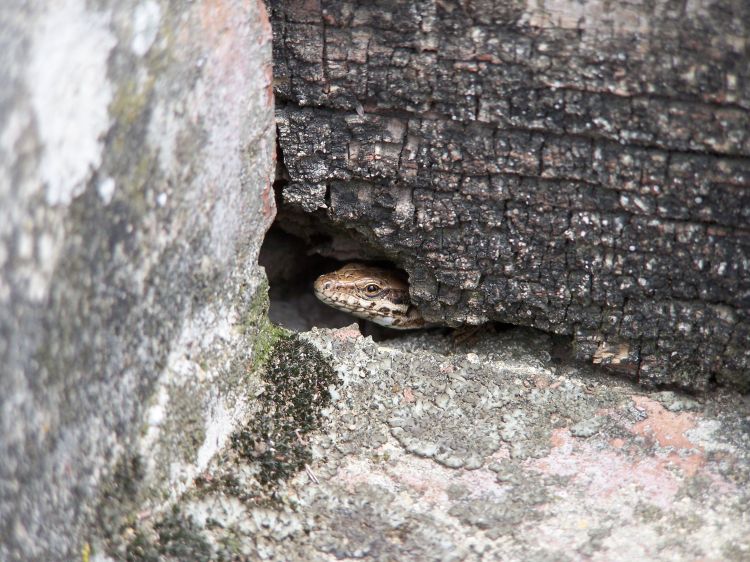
pixel 292 265
pixel 291 269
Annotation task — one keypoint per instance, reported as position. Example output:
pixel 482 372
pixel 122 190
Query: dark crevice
pixel 291 271
pixel 299 247
pixel 292 265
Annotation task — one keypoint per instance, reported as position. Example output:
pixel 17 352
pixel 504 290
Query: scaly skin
pixel 373 293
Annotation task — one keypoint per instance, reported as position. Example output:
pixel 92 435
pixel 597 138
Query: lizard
pixel 373 293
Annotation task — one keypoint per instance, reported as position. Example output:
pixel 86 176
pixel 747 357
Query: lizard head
pixel 373 293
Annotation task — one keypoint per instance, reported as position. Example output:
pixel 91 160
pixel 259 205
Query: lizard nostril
pixel 327 285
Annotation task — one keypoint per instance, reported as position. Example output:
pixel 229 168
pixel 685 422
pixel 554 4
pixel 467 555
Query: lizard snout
pixel 323 283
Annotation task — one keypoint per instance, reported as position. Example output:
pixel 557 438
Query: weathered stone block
pixel 136 160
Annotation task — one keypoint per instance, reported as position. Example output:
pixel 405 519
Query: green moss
pixel 176 537
pixel 256 310
pixel 256 325
pixel 132 166
pixel 230 545
pixel 268 336
pixel 141 549
pixel 735 379
pixel 297 379
pixel 120 495
pixel 227 484
pixel 380 458
pixel 259 333
pixel 180 538
pixel 185 423
pixel 130 101
pixel 648 513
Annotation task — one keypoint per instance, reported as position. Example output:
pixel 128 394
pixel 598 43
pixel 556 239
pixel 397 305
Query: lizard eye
pixel 372 289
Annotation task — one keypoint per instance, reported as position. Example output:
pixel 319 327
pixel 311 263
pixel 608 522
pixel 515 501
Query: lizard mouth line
pixel 368 311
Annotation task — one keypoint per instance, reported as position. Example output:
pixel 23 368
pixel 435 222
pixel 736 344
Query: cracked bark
pixel 580 168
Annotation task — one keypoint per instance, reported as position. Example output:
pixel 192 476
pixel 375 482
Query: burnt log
pixel 579 167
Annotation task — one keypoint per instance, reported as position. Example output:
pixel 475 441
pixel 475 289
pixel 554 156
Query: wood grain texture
pixel 584 172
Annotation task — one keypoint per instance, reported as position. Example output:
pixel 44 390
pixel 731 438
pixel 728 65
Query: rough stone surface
pixel 136 159
pixel 579 167
pixel 419 450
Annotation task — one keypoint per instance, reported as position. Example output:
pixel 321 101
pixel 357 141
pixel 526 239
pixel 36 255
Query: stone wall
pixel 136 160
